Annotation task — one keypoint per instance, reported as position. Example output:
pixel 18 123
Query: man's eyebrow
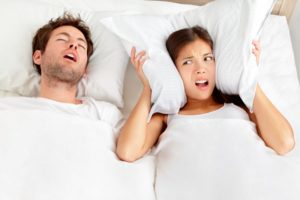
pixel 68 35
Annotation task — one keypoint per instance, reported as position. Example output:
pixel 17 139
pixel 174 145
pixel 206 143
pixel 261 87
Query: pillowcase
pixel 127 6
pixel 232 24
pixel 278 74
pixel 105 74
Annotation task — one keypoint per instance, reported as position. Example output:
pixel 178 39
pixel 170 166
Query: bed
pixel 48 154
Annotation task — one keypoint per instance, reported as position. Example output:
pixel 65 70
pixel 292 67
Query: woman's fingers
pixel 143 60
pixel 132 54
pixel 137 59
pixel 255 52
pixel 256 44
pixel 140 55
pixel 256 49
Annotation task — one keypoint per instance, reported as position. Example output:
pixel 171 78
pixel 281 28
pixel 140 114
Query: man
pixel 61 50
pixel 56 145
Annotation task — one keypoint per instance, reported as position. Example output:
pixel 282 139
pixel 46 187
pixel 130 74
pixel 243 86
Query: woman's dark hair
pixel 179 39
pixel 42 36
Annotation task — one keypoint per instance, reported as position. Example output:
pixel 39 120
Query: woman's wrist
pixel 146 88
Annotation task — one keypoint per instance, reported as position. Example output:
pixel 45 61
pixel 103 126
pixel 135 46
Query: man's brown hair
pixel 42 36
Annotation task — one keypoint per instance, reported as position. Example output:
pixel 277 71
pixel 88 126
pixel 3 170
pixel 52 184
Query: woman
pixel 191 50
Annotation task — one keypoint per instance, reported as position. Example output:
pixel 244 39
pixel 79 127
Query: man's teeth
pixel 70 55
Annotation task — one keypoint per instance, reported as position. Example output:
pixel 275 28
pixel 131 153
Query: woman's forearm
pixel 274 128
pixel 133 133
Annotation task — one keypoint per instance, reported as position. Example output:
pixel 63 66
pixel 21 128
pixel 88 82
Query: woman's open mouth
pixel 202 84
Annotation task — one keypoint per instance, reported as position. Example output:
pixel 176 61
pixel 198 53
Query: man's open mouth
pixel 71 57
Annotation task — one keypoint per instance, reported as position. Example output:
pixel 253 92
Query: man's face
pixel 65 56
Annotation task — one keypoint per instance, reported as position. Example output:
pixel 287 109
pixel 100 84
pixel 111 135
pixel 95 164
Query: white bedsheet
pixel 50 155
pixel 222 159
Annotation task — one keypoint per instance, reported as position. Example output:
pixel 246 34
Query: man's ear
pixel 37 57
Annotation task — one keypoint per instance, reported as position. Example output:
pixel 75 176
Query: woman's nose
pixel 200 70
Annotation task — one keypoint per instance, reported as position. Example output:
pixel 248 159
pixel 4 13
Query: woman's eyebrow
pixel 206 54
pixel 189 57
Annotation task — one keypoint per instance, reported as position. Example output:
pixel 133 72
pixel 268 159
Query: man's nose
pixel 73 46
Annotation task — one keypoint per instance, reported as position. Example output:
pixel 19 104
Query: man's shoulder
pixel 16 102
pixel 98 103
pixel 106 110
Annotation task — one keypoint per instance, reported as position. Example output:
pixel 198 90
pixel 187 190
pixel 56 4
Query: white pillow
pixel 21 20
pixel 232 24
pixel 278 74
pixel 128 6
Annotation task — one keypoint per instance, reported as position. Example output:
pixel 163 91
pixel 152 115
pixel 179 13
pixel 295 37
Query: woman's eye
pixel 187 62
pixel 209 58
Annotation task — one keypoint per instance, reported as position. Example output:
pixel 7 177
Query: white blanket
pixel 217 159
pixel 51 155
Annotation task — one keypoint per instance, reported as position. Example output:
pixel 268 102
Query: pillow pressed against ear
pixel 167 87
pixel 105 73
pixel 232 25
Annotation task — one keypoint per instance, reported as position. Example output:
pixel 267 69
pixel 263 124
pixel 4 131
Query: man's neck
pixel 60 92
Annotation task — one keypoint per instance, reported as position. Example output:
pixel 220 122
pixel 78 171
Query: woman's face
pixel 196 65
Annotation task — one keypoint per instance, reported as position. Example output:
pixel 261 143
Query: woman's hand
pixel 138 135
pixel 256 50
pixel 138 59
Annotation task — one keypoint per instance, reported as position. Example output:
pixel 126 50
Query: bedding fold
pixel 221 159
pixel 50 155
